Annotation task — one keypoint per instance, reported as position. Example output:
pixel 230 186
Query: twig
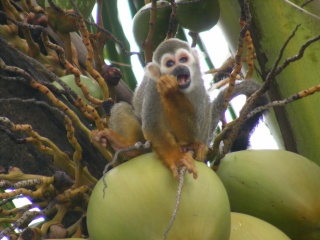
pixel 298 56
pixel 173 24
pixel 306 3
pixel 245 16
pixel 26 217
pixel 303 10
pixel 148 43
pixel 5 201
pixel 280 103
pixel 5 184
pixel 178 198
pixel 39 65
pixel 272 73
pixel 194 36
pixel 89 60
pixel 116 40
pixel 55 110
pixel 22 24
pixel 9 133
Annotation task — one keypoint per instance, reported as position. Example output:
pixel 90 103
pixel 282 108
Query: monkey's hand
pixel 167 85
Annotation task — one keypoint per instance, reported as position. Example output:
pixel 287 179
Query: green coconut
pixel 280 187
pixel 92 86
pixel 198 16
pixel 140 198
pixel 246 227
pixel 140 25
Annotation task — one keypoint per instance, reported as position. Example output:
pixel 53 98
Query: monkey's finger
pixel 101 134
pixel 201 153
pixel 103 142
pixel 175 172
pixel 195 175
pixel 193 171
pixel 189 163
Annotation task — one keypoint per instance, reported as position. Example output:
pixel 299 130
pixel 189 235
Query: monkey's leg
pixel 123 132
pixel 169 151
pixel 247 88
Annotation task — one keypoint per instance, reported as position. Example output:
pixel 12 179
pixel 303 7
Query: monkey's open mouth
pixel 184 81
pixel 182 74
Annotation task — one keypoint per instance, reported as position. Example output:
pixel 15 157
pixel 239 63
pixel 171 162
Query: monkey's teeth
pixel 183 79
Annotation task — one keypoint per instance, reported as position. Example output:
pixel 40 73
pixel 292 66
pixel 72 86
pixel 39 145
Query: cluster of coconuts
pixel 196 16
pixel 254 195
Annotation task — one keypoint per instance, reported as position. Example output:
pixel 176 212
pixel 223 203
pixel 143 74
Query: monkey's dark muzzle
pixel 182 73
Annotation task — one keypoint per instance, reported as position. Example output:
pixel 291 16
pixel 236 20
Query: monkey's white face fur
pixel 180 64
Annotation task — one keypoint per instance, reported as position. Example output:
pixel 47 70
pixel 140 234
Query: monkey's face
pixel 181 64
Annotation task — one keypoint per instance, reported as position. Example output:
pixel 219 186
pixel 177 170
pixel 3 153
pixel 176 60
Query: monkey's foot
pixel 185 159
pixel 167 85
pixel 100 136
pixel 199 150
pixel 108 137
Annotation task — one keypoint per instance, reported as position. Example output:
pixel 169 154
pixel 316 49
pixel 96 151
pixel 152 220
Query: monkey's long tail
pixel 247 88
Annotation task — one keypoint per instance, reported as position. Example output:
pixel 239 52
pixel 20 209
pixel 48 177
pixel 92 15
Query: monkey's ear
pixel 195 55
pixel 153 71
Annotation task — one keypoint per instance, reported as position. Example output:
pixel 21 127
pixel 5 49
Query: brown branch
pixel 26 218
pixel 172 21
pixel 117 41
pixel 148 44
pixel 280 103
pixel 89 62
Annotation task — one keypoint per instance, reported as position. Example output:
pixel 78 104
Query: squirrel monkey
pixel 170 108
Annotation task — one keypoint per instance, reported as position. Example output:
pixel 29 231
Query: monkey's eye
pixel 183 59
pixel 169 63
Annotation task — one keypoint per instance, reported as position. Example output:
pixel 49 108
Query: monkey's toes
pixel 187 161
pixel 198 150
pixel 201 152
pixel 100 136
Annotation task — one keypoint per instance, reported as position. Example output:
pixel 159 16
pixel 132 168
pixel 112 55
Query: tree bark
pixel 26 156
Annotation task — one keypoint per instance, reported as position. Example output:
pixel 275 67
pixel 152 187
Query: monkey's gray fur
pixel 148 110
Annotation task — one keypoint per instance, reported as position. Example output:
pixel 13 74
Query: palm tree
pixel 46 126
